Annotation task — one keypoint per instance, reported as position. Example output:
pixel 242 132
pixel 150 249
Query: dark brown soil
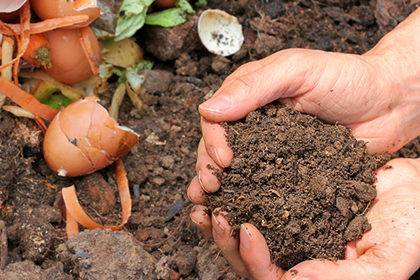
pixel 411 150
pixel 304 183
pixel 162 164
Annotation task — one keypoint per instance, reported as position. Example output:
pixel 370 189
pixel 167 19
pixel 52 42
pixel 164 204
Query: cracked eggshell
pixel 83 138
pixel 9 6
pixel 69 59
pixel 220 32
pixel 47 9
pixel 9 10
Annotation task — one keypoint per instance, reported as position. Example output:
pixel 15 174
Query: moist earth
pixel 305 184
pixel 162 164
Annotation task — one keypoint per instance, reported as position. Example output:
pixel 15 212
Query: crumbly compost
pixel 305 184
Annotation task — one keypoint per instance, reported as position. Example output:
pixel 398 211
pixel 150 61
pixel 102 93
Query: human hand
pixel 390 250
pixel 376 95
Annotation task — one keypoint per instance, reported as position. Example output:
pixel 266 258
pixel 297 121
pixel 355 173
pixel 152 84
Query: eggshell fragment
pixel 69 60
pixel 8 6
pixel 220 32
pixel 47 9
pixel 83 138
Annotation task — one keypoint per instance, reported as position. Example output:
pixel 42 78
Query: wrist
pixel 396 60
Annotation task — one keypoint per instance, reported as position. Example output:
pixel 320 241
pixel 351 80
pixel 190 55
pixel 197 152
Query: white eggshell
pixel 220 32
pixel 8 6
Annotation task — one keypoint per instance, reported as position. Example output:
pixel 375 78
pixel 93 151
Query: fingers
pixel 222 235
pixel 255 254
pixel 205 181
pixel 206 167
pixel 253 85
pixel 194 192
pixel 214 136
pixel 371 266
pixel 202 220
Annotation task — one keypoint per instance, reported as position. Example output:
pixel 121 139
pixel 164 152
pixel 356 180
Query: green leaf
pixel 56 101
pixel 200 3
pixel 132 74
pixel 131 17
pixel 142 65
pixel 171 17
pixel 167 18
pixel 185 6
pixel 131 71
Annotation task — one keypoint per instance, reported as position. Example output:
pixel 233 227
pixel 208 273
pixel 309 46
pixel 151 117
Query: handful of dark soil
pixel 304 184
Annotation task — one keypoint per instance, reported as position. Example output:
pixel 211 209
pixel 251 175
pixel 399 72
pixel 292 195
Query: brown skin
pixel 376 95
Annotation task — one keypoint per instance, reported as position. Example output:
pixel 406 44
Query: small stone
pixel 167 43
pixel 168 161
pixel 173 275
pixel 354 208
pixel 220 64
pixel 159 181
pixel 100 254
pixel 142 234
pixel 176 128
pixel 356 228
pixel 185 260
pixel 185 66
pixel 100 193
pixel 156 81
pixel 343 205
pixel 294 227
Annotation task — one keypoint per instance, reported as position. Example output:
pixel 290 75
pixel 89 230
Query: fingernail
pixel 201 181
pixel 216 153
pixel 195 208
pixel 218 228
pixel 193 220
pixel 216 105
pixel 246 242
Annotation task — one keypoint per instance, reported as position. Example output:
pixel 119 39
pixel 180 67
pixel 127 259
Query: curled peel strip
pixel 76 215
pixel 45 25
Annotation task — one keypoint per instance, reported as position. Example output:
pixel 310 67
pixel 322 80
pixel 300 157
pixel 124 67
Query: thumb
pixel 281 75
pixel 370 266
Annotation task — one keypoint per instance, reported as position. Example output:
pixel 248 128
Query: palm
pixel 393 243
pixel 394 218
pixel 390 250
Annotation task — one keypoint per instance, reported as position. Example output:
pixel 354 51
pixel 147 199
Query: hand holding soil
pixel 375 96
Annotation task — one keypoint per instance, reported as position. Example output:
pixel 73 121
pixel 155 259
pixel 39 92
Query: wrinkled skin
pixel 377 95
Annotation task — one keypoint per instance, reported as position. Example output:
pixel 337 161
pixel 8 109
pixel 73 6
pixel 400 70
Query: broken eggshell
pixel 9 10
pixel 68 55
pixel 220 32
pixel 8 6
pixel 48 9
pixel 83 138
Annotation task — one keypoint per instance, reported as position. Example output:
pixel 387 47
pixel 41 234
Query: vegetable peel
pixel 76 215
pixel 45 25
pixel 26 100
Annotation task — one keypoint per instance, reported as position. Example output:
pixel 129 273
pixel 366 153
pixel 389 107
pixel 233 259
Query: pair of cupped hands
pixel 377 96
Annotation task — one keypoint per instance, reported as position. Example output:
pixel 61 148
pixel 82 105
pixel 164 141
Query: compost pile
pixel 304 183
pixel 32 230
